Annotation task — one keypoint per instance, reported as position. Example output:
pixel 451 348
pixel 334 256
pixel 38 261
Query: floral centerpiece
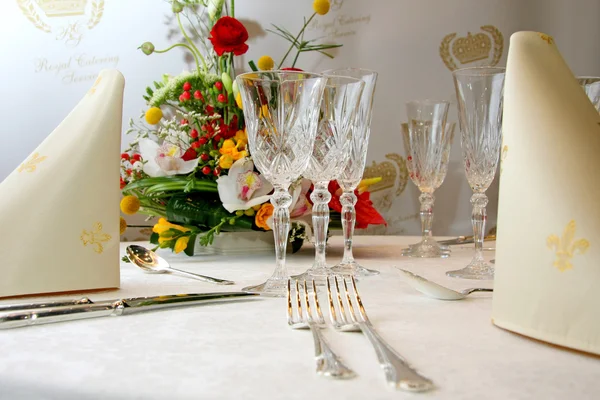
pixel 189 163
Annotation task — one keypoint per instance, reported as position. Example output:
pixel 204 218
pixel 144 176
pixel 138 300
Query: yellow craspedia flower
pixel 266 63
pixel 122 225
pixel 154 115
pixel 181 244
pixel 321 7
pixel 238 101
pixel 130 205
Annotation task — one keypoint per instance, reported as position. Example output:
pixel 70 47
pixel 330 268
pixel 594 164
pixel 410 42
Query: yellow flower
pixel 229 148
pixel 238 101
pixel 154 115
pixel 265 212
pixel 241 139
pixel 181 244
pixel 122 225
pixel 226 161
pixel 321 7
pixel 130 205
pixel 163 225
pixel 266 63
pixel 365 183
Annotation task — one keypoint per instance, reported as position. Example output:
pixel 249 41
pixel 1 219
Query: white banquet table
pixel 246 350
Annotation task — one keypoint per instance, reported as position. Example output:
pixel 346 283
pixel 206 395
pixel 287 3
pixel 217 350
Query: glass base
pixel 271 288
pixel 427 248
pixel 352 268
pixel 476 270
pixel 318 274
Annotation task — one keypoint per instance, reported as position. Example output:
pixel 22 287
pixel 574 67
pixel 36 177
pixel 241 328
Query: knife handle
pixel 49 315
pixel 46 304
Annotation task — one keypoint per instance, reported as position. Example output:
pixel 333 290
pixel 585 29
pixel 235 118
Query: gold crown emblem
pixel 483 48
pixel 62 8
pixel 472 48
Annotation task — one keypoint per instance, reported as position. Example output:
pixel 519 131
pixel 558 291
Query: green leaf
pixel 154 238
pixel 189 250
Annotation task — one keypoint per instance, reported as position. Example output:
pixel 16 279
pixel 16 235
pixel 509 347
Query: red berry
pixel 193 133
pixel 195 145
pixel 198 95
pixel 218 138
pixel 206 170
pixel 210 110
pixel 217 171
pixel 181 99
pixel 221 98
pixel 190 154
pixel 186 95
pixel 187 86
pixel 184 122
pixel 202 140
pixel 129 172
pixel 219 85
pixel 204 157
pixel 136 157
pixel 124 156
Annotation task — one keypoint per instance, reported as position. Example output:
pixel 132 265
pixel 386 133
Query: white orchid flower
pixel 243 188
pixel 164 160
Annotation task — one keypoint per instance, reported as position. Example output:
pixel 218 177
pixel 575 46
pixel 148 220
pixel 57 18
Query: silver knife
pixel 464 240
pixel 45 313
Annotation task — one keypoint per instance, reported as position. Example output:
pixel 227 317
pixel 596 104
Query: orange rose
pixel 265 212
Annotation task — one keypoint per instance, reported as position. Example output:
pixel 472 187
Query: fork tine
pixel 350 307
pixel 289 302
pixel 320 318
pixel 343 318
pixel 306 299
pixel 361 308
pixel 332 314
pixel 298 303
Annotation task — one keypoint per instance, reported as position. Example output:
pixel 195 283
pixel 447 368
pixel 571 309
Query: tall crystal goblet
pixel 480 93
pixel 332 147
pixel 281 111
pixel 591 86
pixel 352 173
pixel 429 142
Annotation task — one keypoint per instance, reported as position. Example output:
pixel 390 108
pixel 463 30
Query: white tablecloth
pixel 246 350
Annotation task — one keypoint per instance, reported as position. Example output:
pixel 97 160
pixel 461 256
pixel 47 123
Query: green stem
pixel 182 45
pixel 232 12
pixel 196 53
pixel 296 40
pixel 295 59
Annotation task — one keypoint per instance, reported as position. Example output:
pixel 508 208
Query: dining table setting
pixel 504 314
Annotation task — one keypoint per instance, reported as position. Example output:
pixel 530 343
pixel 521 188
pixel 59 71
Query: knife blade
pixel 465 240
pixel 44 314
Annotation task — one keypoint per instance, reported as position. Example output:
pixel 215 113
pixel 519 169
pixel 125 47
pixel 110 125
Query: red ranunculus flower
pixel 366 214
pixel 228 35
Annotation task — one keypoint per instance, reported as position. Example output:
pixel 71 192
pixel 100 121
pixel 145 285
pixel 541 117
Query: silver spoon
pixel 152 263
pixel 436 291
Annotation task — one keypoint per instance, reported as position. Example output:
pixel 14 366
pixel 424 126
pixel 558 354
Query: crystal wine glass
pixel 429 142
pixel 281 110
pixel 591 85
pixel 352 173
pixel 332 146
pixel 479 92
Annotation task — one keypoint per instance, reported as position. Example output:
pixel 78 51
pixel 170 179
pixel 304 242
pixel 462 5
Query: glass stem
pixel 348 200
pixel 281 201
pixel 478 218
pixel 426 200
pixel 320 219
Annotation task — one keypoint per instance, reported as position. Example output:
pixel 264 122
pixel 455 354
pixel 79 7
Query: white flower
pixel 243 188
pixel 164 160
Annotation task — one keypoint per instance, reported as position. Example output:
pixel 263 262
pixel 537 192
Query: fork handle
pixel 328 363
pixel 397 371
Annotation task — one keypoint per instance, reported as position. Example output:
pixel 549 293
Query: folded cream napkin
pixel 547 282
pixel 59 210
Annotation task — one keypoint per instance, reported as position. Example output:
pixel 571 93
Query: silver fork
pixel 397 370
pixel 328 363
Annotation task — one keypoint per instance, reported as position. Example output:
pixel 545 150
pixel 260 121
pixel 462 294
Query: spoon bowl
pixel 150 262
pixel 435 290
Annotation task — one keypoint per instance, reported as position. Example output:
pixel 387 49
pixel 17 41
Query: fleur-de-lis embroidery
pixel 93 89
pixel 31 164
pixel 566 247
pixel 95 237
pixel 503 157
pixel 546 38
